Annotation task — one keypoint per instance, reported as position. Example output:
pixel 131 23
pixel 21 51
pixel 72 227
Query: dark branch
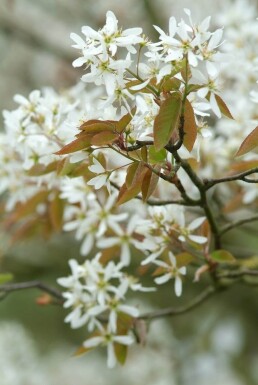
pixel 203 202
pixel 235 224
pixel 208 183
pixel 139 144
pixel 154 202
pixel 168 312
pixel 10 287
pixel 237 274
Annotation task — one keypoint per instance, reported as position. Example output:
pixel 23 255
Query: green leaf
pixel 250 142
pixel 171 84
pixel 184 259
pixel 190 127
pixel 144 153
pixel 64 167
pixel 157 156
pixel 249 263
pixel 167 120
pixel 5 277
pixel 222 256
pixel 120 352
pixel 193 88
pixel 223 107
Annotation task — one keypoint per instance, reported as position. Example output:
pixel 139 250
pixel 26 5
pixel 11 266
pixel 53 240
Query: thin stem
pixel 154 202
pixel 138 60
pixel 10 287
pixel 208 183
pixel 139 145
pixel 171 311
pixel 235 224
pixel 237 274
pixel 211 219
pixel 203 198
pixel 152 89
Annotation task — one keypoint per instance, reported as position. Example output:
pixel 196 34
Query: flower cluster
pixel 95 291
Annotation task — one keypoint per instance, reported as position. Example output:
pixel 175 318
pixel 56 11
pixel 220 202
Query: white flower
pixel 124 238
pixel 171 272
pixel 107 40
pixel 211 86
pixel 100 180
pixel 107 338
pixel 186 232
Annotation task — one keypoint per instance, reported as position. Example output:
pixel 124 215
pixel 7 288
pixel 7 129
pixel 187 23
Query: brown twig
pixel 238 223
pixel 168 312
pixel 208 183
pixel 10 287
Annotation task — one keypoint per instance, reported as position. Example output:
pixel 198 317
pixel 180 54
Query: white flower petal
pixel 124 340
pixel 196 223
pixel 163 279
pixel 92 342
pixel 198 239
pixel 111 360
pixel 178 286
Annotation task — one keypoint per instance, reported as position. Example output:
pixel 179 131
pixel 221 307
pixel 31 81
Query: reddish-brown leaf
pixel 103 138
pixel 64 167
pixel 136 178
pixel 56 210
pixel 149 184
pixel 130 173
pixel 125 120
pixel 245 165
pixel 250 142
pixel 26 230
pixel 98 126
pixel 41 169
pixel 190 127
pixel 223 107
pixel 144 153
pixel 81 351
pixel 76 145
pixel 30 205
